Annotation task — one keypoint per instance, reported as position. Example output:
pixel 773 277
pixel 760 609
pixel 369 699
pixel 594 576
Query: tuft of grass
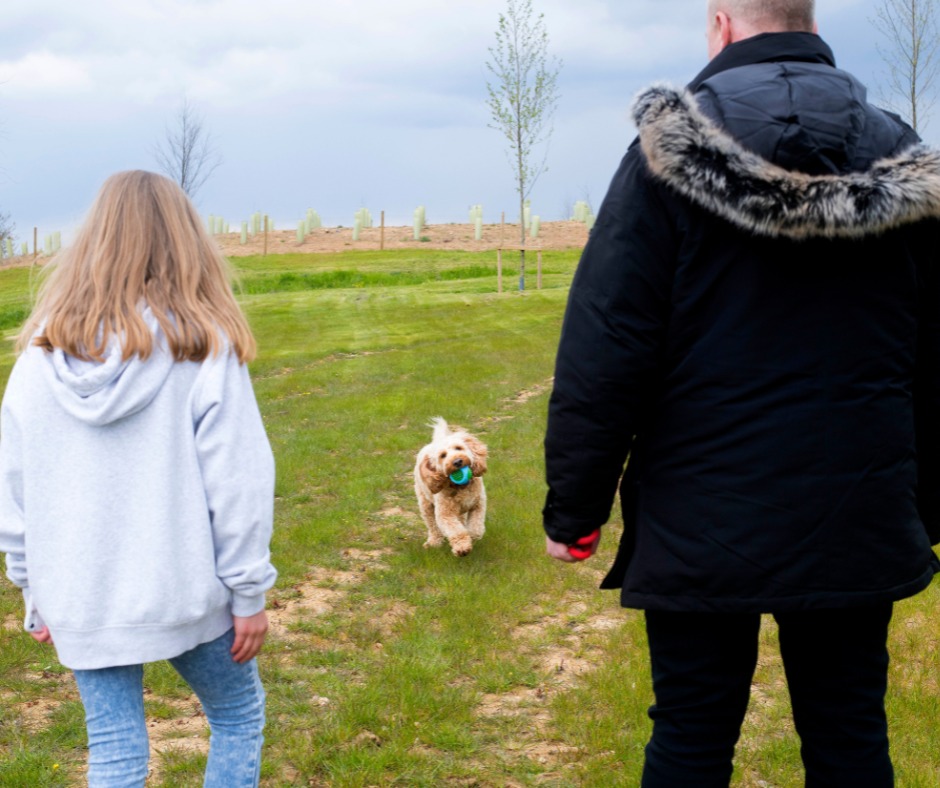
pixel 16 295
pixel 13 317
pixel 329 280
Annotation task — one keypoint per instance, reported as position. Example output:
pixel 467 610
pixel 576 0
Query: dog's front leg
pixel 435 537
pixel 450 523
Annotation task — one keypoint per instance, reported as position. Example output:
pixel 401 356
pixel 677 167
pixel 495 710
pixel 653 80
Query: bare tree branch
pixel 910 50
pixel 187 153
pixel 523 97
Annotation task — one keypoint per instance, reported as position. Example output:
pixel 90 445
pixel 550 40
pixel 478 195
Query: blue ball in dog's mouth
pixel 462 476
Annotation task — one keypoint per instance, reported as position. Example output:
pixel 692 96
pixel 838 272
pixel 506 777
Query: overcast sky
pixel 334 105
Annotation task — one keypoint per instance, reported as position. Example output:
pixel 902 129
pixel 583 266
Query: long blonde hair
pixel 142 244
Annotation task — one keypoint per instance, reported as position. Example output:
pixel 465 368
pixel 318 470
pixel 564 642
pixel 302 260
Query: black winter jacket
pixel 756 321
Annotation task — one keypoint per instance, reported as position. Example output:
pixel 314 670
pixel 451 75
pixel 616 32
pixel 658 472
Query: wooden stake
pixel 265 235
pixel 499 270
pixel 382 233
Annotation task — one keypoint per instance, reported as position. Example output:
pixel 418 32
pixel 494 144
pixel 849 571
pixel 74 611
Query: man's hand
pixel 42 636
pixel 560 550
pixel 249 636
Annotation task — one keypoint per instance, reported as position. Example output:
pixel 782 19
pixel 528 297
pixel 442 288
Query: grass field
pixel 392 665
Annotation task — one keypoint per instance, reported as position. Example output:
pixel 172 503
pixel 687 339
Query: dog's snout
pixel 459 463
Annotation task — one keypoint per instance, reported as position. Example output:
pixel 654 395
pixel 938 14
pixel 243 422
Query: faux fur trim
pixel 689 152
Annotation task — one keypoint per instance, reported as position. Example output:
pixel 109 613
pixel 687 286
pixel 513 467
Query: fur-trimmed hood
pixel 686 150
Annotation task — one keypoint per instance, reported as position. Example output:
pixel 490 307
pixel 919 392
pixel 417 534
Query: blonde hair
pixel 142 244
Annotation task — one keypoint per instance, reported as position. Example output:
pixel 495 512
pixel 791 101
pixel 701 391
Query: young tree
pixel 6 226
pixel 523 97
pixel 187 153
pixel 910 52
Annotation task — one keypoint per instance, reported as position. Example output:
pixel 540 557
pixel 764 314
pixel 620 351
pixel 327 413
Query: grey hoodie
pixel 136 501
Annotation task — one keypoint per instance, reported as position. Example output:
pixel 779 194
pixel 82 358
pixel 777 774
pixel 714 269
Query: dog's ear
pixel 478 466
pixel 435 480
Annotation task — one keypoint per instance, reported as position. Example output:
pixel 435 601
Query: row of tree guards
pixel 52 242
pixel 362 220
pixel 259 223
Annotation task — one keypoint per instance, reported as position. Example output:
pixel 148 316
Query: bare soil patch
pixel 561 649
pixel 35 715
pixel 369 558
pixel 397 511
pixel 509 404
pixel 186 734
pixel 526 394
pixel 323 590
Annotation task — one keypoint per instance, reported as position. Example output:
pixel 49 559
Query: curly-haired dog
pixel 451 510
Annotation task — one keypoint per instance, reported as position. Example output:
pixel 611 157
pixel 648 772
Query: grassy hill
pixel 389 664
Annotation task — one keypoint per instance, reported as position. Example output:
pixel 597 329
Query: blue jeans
pixel 232 699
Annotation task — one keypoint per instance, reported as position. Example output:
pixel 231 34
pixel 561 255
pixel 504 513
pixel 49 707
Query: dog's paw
pixel 433 541
pixel 461 545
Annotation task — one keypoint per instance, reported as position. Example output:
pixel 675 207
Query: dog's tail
pixel 440 427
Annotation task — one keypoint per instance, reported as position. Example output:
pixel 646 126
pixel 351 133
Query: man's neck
pixel 767 48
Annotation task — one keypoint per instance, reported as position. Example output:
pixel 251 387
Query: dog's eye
pixel 459 448
pixel 443 454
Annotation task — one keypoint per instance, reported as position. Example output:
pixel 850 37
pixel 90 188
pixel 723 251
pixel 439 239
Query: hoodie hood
pixel 102 392
pixel 690 153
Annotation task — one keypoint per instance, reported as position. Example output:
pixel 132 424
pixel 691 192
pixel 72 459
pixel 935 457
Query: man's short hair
pixel 773 15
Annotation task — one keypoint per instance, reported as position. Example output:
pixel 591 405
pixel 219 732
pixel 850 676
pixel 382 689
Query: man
pixel 754 322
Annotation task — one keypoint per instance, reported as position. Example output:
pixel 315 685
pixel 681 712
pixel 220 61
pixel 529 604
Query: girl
pixel 136 480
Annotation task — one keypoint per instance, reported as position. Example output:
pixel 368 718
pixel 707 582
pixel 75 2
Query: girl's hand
pixel 249 636
pixel 42 636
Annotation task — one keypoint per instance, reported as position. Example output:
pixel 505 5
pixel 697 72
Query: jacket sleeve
pixel 610 350
pixel 238 473
pixel 12 512
pixel 927 393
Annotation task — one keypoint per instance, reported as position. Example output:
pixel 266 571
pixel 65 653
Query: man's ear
pixel 719 33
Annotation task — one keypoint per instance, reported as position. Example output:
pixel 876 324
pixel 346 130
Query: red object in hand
pixel 583 547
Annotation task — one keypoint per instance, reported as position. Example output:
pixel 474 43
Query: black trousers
pixel 836 663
